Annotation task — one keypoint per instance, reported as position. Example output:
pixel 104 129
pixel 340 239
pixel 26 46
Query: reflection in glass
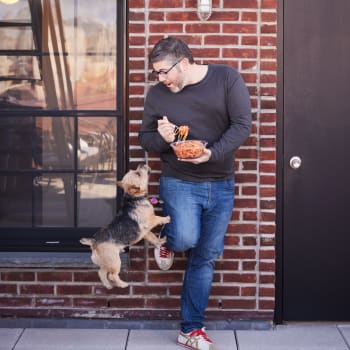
pixel 97 144
pixel 77 48
pixel 16 38
pixel 17 12
pixel 96 200
pixel 54 148
pixel 54 200
pixel 16 139
pixel 16 201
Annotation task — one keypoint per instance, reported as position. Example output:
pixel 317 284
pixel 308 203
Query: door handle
pixel 295 162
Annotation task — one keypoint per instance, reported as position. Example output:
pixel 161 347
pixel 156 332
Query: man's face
pixel 170 74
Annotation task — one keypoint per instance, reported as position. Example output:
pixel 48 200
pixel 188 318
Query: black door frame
pixel 278 318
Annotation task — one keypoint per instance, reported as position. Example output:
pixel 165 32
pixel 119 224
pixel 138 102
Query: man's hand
pixel 201 159
pixel 166 129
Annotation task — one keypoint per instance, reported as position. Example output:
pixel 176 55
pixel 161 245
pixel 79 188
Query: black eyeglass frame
pixel 157 73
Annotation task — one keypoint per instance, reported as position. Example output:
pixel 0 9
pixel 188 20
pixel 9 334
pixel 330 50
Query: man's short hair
pixel 170 48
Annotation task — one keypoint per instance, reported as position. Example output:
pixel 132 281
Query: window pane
pixel 54 200
pixel 77 68
pixel 15 143
pixel 79 62
pixel 96 199
pixel 16 201
pixel 54 148
pixel 16 38
pixel 17 12
pixel 97 144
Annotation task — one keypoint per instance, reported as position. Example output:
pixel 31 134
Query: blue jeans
pixel 200 213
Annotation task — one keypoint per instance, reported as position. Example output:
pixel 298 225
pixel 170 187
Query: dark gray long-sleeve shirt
pixel 217 109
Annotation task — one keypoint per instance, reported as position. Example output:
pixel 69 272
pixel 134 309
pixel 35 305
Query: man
pixel 198 194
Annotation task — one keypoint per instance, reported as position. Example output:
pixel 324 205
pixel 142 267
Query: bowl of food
pixel 188 149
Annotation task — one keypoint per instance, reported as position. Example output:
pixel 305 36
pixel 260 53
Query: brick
pixel 137 28
pixel 165 4
pixel 239 278
pixel 239 304
pixel 239 28
pixel 249 16
pixel 225 290
pixel 165 28
pixel 269 16
pixel 8 288
pixel 267 266
pixel 266 304
pixel 224 16
pixel 249 241
pixel 17 276
pixel 164 277
pixel 221 40
pixel 244 4
pixel 150 290
pixel 36 289
pixel 135 16
pixel 162 303
pixel 267 254
pixel 269 4
pixel 239 254
pixel 181 16
pixel 73 289
pixel 267 279
pixel 15 302
pixel 65 276
pixel 249 216
pixel 137 4
pixel 239 52
pixel 227 265
pixel 89 302
pixel 248 291
pixel 125 303
pixel 248 265
pixel 86 276
pixel 52 302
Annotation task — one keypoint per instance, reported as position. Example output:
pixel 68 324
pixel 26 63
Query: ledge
pixel 51 259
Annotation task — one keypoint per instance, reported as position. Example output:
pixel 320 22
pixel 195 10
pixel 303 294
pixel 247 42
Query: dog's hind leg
pixel 103 274
pixel 112 263
pixel 113 274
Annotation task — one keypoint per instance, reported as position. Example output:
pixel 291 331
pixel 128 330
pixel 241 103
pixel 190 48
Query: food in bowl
pixel 188 149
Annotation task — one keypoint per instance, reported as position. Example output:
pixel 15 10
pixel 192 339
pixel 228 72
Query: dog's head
pixel 135 182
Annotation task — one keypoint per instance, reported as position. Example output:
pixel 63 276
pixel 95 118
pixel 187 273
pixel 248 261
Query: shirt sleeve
pixel 240 118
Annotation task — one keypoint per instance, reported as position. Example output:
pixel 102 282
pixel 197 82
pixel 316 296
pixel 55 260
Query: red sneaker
pixel 164 257
pixel 196 339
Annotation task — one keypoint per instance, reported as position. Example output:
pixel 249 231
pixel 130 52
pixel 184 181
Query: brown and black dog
pixel 133 222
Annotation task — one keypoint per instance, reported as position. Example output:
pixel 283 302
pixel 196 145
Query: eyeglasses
pixel 163 72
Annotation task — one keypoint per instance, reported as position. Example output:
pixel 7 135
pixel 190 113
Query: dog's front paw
pixel 161 241
pixel 167 219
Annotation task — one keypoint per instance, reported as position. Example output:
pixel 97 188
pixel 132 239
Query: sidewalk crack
pixel 236 340
pixel 343 336
pixel 19 337
pixel 127 340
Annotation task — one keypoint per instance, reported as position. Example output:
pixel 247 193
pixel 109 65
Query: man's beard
pixel 177 88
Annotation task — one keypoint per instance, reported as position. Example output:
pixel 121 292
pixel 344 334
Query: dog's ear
pixel 87 241
pixel 132 190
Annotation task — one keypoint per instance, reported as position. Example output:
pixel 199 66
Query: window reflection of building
pixel 59 170
pixel 77 51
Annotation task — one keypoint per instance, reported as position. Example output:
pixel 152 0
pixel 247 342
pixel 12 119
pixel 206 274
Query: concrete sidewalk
pixel 294 336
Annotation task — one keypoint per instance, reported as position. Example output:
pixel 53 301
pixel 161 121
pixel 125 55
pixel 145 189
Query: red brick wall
pixel 241 33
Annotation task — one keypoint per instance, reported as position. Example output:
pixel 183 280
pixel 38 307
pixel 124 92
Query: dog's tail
pixel 88 241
